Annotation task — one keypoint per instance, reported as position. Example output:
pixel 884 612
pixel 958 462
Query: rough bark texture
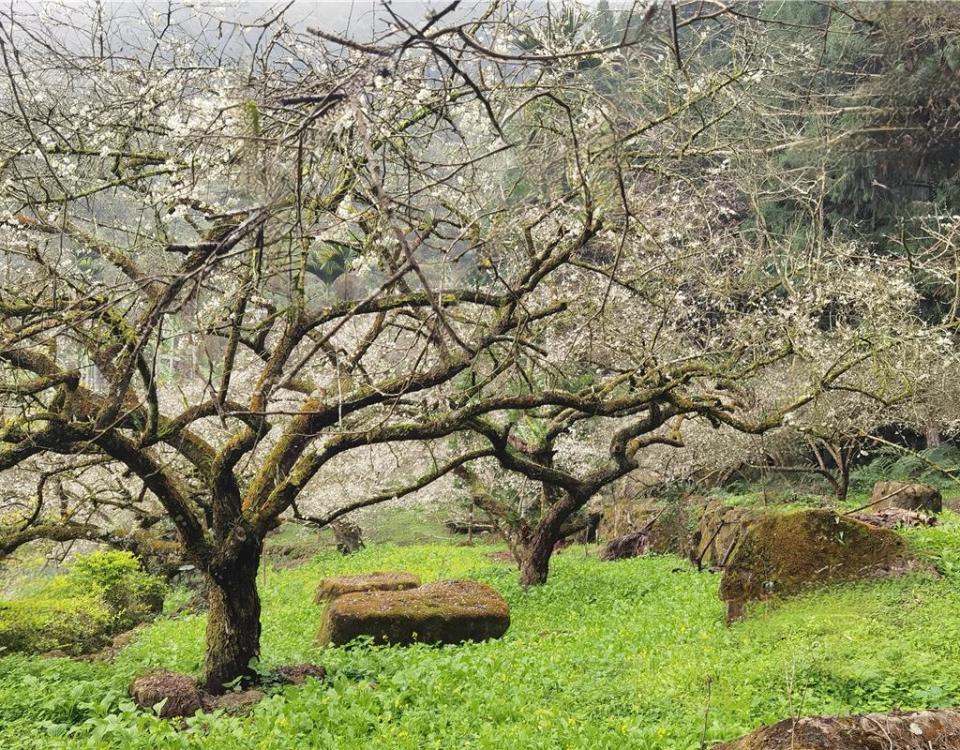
pixel 921 730
pixel 535 551
pixel 233 624
pixel 535 560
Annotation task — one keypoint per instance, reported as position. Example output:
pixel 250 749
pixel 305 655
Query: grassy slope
pixel 607 655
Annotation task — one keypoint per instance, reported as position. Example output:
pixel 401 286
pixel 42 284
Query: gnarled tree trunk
pixel 534 559
pixel 535 551
pixel 233 624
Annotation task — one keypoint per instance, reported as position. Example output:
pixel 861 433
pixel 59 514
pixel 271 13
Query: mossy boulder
pixel 783 553
pixel 669 526
pixel 915 730
pixel 624 517
pixel 906 495
pixel 719 530
pixel 331 588
pixel 443 612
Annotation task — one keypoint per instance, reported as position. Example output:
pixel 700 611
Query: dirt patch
pixel 444 612
pixel 331 588
pixel 921 730
pixel 297 674
pixel 896 518
pixel 783 553
pixel 179 694
pixel 239 703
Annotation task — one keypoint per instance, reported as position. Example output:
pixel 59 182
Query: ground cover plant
pixel 99 594
pixel 292 289
pixel 632 653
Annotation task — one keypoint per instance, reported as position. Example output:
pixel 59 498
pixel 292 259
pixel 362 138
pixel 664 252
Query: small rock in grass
pixel 297 674
pixel 237 704
pixel 180 694
pixel 907 495
pixel 331 588
pixel 444 612
pixel 633 544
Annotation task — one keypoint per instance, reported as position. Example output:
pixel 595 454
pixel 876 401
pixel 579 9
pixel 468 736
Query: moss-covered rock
pixel 444 612
pixel 906 495
pixel 719 530
pixel 670 526
pixel 624 517
pixel 331 588
pixel 916 730
pixel 783 553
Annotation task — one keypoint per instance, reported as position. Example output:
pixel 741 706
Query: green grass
pixel 631 654
pixel 390 525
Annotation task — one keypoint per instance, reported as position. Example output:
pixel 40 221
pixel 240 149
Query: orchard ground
pixel 628 654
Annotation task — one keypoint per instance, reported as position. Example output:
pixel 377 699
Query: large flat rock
pixel 392 580
pixel 784 553
pixel 444 612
